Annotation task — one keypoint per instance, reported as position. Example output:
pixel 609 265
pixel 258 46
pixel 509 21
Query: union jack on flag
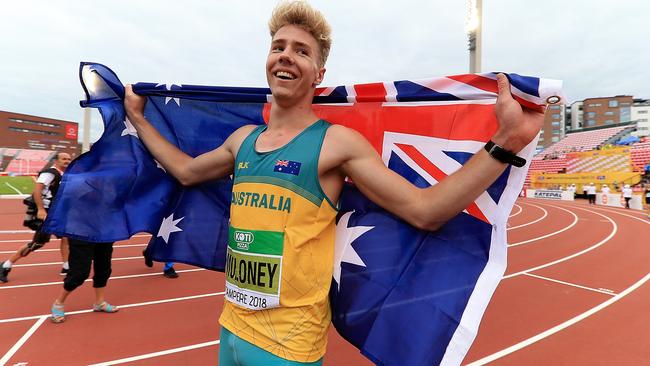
pixel 401 295
pixel 282 163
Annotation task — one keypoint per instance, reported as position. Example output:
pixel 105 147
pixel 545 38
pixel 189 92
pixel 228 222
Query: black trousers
pixel 82 254
pixel 592 198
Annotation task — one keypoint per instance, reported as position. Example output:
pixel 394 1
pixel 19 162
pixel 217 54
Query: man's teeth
pixel 284 75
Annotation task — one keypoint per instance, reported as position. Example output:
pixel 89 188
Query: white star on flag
pixel 168 226
pixel 168 86
pixel 343 250
pixel 129 129
pixel 159 166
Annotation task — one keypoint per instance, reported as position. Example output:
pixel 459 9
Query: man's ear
pixel 319 77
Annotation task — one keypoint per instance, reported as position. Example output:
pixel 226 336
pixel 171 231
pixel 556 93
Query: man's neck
pixel 294 117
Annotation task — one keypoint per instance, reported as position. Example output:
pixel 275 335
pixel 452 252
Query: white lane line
pixel 32 232
pixel 156 354
pixel 575 221
pixel 60 263
pixel 643 218
pixel 16 231
pixel 614 230
pixel 602 291
pixel 22 340
pixel 559 327
pixel 532 222
pixel 516 213
pixel 3 287
pixel 134 305
pixel 14 188
pixel 58 250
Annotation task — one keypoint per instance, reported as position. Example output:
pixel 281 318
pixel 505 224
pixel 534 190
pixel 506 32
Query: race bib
pixel 254 268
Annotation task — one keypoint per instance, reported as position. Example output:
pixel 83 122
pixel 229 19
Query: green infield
pixel 16 185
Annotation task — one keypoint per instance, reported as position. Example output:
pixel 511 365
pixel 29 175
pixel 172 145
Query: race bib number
pixel 254 268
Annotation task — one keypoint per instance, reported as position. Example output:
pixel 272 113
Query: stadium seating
pixel 581 141
pixel 640 155
pixel 25 161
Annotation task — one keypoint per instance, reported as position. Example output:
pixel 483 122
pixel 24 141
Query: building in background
pixel 607 111
pixel 22 131
pixel 553 129
pixel 641 115
pixel 575 116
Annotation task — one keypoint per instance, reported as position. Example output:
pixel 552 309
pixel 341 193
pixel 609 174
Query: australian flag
pixel 287 166
pixel 401 295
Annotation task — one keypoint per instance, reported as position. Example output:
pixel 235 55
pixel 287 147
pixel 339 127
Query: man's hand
pixel 517 126
pixel 41 214
pixel 133 103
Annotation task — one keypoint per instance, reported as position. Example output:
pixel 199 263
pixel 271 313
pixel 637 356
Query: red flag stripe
pixel 438 175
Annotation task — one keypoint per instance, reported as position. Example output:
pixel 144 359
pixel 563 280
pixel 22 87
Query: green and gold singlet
pixel 281 248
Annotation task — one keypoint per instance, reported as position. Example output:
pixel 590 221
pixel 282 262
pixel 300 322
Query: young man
pixel 298 163
pixel 45 190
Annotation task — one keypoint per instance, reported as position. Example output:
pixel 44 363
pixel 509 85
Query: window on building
pixel 591 122
pixel 625 114
pixel 29 130
pixel 591 114
pixel 555 124
pixel 643 120
pixel 556 132
pixel 613 103
pixel 556 107
pixel 555 139
pixel 643 111
pixel 609 122
pixel 37 123
pixel 609 113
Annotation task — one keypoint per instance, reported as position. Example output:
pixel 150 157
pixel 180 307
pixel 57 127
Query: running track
pixel 576 292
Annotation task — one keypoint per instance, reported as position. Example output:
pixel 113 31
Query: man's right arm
pixel 187 170
pixel 38 200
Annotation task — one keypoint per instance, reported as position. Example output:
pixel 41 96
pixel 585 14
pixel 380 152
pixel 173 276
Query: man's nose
pixel 285 57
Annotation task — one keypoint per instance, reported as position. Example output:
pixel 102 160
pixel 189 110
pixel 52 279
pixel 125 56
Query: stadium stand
pixel 24 161
pixel 584 141
pixel 640 154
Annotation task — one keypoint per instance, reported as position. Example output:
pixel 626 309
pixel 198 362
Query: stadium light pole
pixel 474 27
pixel 85 142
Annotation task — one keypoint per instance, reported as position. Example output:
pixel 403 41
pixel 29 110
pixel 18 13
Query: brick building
pixel 22 131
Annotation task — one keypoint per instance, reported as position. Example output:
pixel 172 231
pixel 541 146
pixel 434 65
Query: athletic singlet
pixel 281 248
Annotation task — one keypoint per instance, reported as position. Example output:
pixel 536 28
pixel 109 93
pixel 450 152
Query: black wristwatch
pixel 504 155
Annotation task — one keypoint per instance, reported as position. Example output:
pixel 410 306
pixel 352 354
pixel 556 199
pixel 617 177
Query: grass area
pixel 23 184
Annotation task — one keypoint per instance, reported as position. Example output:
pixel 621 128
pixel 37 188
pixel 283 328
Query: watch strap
pixel 503 155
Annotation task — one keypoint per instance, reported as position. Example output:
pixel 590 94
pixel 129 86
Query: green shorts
pixel 234 351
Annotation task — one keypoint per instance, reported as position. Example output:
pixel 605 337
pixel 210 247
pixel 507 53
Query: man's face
pixel 63 161
pixel 292 67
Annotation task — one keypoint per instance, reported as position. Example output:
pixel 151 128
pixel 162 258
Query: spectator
pixel 627 195
pixel 45 190
pixel 82 255
pixel 591 193
pixel 168 270
pixel 605 189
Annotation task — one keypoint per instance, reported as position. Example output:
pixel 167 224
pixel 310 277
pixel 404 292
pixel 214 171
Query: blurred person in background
pixel 47 185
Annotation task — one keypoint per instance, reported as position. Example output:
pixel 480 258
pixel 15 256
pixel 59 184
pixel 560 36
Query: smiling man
pixel 288 176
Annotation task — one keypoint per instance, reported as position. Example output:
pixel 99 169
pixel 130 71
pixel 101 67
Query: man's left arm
pixel 431 207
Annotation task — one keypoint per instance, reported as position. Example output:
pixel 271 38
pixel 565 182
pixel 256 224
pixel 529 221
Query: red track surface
pixel 575 293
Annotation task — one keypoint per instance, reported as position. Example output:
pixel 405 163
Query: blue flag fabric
pixel 401 295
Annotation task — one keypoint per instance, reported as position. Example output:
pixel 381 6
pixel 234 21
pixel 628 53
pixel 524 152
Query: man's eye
pixel 303 52
pixel 277 49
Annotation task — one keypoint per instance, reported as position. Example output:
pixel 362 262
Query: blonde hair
pixel 301 14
